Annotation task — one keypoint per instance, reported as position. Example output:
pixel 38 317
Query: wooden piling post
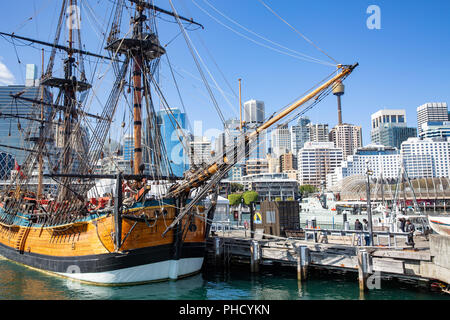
pixel 299 264
pixel 254 256
pixel 304 260
pixel 363 269
pixel 217 251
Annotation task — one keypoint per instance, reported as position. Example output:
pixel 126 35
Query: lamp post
pixel 369 207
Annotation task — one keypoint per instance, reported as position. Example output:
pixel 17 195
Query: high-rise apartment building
pixel 316 160
pixel 318 132
pixel 199 151
pixel 288 162
pixel 389 128
pixel 348 137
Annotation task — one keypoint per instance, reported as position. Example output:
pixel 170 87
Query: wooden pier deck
pixel 400 261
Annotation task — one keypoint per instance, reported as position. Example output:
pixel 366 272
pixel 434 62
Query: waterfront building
pixel 435 129
pixel 316 160
pixel 426 158
pixel 281 140
pixel 299 134
pixel 318 132
pixel 389 128
pixel 431 112
pixel 271 186
pixel 348 137
pixel 383 161
pixel 168 122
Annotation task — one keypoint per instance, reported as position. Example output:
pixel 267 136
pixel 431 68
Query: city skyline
pixel 384 67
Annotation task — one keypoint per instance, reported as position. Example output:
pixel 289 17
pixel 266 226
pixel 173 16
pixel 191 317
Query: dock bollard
pixel 254 256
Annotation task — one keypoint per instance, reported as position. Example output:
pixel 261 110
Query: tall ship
pixel 120 227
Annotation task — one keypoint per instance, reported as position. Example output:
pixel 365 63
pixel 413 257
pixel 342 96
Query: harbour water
pixel 21 283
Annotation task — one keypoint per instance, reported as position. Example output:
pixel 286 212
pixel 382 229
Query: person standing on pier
pixel 410 229
pixel 366 235
pixel 402 224
pixel 359 227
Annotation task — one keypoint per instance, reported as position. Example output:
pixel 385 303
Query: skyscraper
pixel 430 112
pixel 171 136
pixel 254 114
pixel 348 137
pixel 281 140
pixel 389 128
pixel 18 132
pixel 299 134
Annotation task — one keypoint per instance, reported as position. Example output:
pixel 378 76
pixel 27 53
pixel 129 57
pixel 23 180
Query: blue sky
pixel 403 65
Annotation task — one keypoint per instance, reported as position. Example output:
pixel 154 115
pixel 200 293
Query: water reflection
pixel 21 283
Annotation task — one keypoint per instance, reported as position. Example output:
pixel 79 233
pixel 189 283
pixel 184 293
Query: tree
pixel 236 187
pixel 306 189
pixel 235 199
pixel 251 197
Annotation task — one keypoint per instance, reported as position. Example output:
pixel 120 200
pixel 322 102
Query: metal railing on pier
pixel 358 236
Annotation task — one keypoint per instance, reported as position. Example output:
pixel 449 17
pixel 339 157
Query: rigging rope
pixel 259 36
pixel 300 57
pixel 298 32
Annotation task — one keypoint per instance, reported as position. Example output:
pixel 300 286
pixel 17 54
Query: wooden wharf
pixel 389 258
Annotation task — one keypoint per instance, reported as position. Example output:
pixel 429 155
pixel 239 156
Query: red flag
pixel 17 167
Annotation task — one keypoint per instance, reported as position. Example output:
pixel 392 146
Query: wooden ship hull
pixel 85 250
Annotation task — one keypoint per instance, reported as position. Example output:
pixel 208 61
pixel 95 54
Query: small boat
pixel 440 224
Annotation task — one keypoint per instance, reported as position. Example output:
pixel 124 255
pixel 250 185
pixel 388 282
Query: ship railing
pixel 314 234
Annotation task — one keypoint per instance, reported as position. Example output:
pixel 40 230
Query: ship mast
pixel 41 160
pixel 137 91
